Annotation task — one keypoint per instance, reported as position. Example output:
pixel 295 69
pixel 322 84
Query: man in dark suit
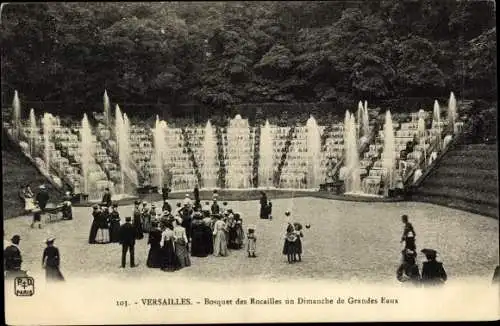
pixel 106 198
pixel 127 240
pixel 12 258
pixel 42 198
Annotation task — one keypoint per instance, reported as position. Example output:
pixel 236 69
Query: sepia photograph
pixel 243 162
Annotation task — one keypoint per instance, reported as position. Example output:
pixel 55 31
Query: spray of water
pixel 266 156
pixel 34 132
pixel 366 121
pixel 210 163
pixel 313 152
pixel 388 154
pixel 452 110
pixel 107 114
pixel 16 118
pixel 47 131
pixel 352 179
pixel 159 146
pixel 86 151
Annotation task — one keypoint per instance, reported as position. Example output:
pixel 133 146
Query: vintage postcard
pixel 243 162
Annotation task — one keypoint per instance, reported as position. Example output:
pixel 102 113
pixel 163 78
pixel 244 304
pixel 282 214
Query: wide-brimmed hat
pixel 15 238
pixel 187 195
pixel 42 187
pixel 50 240
pixel 429 253
pixel 287 213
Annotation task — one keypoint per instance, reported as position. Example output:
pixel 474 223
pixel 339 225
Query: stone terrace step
pixel 465 171
pixel 480 185
pixel 470 162
pixel 460 193
pixel 483 209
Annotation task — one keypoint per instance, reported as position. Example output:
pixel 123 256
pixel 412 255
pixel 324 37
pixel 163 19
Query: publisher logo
pixel 24 286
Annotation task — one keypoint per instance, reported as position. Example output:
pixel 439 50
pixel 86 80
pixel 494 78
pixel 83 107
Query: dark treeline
pixel 221 55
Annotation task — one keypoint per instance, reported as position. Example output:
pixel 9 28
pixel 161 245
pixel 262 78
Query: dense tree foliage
pixel 227 53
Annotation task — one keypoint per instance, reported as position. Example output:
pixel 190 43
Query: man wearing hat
pixel 215 207
pixel 12 258
pixel 166 206
pixel 127 240
pixel 433 272
pixel 51 260
pixel 42 198
pixel 106 198
pixel 408 234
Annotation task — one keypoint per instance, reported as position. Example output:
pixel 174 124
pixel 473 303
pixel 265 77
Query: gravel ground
pixel 346 241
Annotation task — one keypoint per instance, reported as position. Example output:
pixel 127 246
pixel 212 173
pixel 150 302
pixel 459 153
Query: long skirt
pixel 154 257
pixel 102 235
pixel 114 232
pixel 208 241
pixel 289 247
pixel 240 237
pixel 182 253
pixel 220 244
pixel 232 239
pixel 169 261
pixel 53 274
pixel 264 214
pixel 198 245
pixel 93 232
pixel 67 213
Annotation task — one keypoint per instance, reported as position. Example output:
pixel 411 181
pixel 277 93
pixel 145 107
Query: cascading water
pixel 86 151
pixel 239 172
pixel 313 152
pixel 266 156
pixel 121 146
pixel 107 104
pixel 16 116
pixel 359 118
pixel 452 110
pixel 47 130
pixel 210 163
pixel 34 132
pixel 388 154
pixel 159 146
pixel 352 179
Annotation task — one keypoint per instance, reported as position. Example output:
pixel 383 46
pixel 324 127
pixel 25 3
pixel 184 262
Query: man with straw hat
pixel 51 261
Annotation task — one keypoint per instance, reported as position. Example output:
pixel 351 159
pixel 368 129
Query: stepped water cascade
pixel 107 114
pixel 86 151
pixel 239 171
pixel 159 147
pixel 34 132
pixel 421 124
pixel 452 110
pixel 266 157
pixel 210 162
pixel 388 154
pixel 352 179
pixel 47 121
pixel 313 152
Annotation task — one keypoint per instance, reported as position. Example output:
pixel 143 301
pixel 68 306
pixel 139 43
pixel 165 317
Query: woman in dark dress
pixel 197 237
pixel 114 224
pixel 137 222
pixel 263 205
pixel 408 270
pixel 50 261
pixel 208 238
pixel 169 262
pixel 240 234
pixel 95 226
pixel 154 254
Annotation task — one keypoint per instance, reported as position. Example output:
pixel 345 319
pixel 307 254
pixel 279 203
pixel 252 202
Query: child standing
pixel 251 244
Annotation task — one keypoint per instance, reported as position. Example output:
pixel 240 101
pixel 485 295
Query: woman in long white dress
pixel 29 201
pixel 220 240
